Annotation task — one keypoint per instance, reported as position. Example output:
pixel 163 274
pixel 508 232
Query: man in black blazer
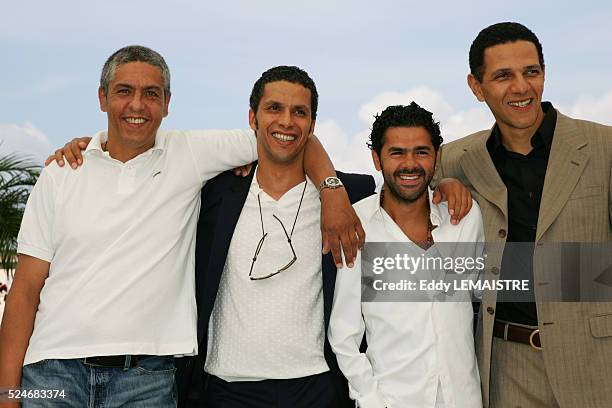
pixel 222 202
pixel 283 111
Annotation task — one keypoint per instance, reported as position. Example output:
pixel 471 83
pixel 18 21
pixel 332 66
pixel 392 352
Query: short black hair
pixel 291 74
pixel 403 116
pixel 496 34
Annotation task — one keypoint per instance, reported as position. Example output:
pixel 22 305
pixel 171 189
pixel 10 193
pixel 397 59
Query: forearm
pixel 15 332
pixel 317 163
pixel 18 320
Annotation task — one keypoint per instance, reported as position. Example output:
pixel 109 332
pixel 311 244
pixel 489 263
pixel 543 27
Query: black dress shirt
pixel 523 176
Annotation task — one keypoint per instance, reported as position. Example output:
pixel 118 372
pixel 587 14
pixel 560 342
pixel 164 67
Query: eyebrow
pixel 534 66
pixel 509 70
pixel 405 149
pixel 273 102
pixel 132 87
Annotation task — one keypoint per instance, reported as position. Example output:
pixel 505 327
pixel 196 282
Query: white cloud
pixel 463 123
pixel 26 139
pixel 595 108
pixel 349 153
pixel 454 124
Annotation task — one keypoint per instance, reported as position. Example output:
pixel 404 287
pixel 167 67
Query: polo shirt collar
pixel 95 144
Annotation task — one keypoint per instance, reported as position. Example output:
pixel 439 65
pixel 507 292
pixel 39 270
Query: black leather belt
pixel 114 361
pixel 518 334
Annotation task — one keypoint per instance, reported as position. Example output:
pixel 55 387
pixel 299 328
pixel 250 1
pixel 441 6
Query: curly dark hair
pixel 291 74
pixel 496 34
pixel 403 116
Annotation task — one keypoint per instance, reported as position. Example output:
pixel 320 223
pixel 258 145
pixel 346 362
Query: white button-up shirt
pixel 419 353
pixel 120 240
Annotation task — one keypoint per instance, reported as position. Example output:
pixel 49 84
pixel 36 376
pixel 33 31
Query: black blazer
pixel 222 201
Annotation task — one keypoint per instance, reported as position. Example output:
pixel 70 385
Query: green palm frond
pixel 18 173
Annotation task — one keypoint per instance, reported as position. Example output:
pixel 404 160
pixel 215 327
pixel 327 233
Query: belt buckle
pixel 531 336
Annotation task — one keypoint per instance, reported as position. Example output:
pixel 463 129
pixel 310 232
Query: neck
pixel 121 152
pixel 404 213
pixel 519 140
pixel 276 179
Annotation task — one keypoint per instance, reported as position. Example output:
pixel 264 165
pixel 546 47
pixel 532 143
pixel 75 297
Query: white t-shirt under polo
pixel 120 239
pixel 271 328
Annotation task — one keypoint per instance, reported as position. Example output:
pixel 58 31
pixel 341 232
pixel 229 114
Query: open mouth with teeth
pixel 521 104
pixel 409 179
pixel 282 137
pixel 135 120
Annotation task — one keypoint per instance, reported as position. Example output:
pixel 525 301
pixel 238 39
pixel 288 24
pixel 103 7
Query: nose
pixel 410 161
pixel 519 84
pixel 136 102
pixel 284 119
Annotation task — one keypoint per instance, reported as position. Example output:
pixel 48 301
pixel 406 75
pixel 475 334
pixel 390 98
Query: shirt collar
pixel 544 134
pixel 95 144
pixel 375 209
pixel 256 189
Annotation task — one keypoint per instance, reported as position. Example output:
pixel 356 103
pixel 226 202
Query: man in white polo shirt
pixel 420 354
pixel 103 295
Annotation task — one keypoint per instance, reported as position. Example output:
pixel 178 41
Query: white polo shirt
pixel 120 238
pixel 420 354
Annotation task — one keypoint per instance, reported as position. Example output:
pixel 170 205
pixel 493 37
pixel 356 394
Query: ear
pixel 376 160
pixel 166 104
pixel 102 99
pixel 252 120
pixel 312 128
pixel 474 85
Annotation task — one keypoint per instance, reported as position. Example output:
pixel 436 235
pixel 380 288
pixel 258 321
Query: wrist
pixel 331 193
pixel 330 183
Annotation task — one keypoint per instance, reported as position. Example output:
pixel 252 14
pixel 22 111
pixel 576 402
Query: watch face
pixel 333 182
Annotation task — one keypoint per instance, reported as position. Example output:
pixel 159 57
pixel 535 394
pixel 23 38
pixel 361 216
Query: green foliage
pixel 18 174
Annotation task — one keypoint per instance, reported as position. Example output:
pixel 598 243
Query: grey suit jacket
pixel 576 206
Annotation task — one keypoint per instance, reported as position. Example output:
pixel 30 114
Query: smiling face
pixel 512 86
pixel 135 106
pixel 407 160
pixel 282 122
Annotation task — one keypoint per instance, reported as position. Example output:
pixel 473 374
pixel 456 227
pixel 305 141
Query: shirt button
pixel 490 310
pixel 531 195
pixel 495 270
pixel 502 233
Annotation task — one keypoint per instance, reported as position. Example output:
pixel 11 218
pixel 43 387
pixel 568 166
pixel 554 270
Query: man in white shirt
pixel 103 295
pixel 419 354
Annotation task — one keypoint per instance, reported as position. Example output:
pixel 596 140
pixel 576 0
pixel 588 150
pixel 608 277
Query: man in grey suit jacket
pixel 539 177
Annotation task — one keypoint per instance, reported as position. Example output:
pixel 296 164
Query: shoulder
pixel 473 217
pixel 585 126
pixel 358 186
pixel 365 207
pixel 221 183
pixel 470 141
pixel 54 174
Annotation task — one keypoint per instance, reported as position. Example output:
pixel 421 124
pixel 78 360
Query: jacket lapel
pixel 482 174
pixel 231 206
pixel 568 158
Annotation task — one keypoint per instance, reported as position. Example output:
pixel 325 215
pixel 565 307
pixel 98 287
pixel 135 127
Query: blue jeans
pixel 148 384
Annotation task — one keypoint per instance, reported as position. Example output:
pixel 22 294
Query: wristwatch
pixel 331 183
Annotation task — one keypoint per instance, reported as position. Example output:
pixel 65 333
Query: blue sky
pixel 363 56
